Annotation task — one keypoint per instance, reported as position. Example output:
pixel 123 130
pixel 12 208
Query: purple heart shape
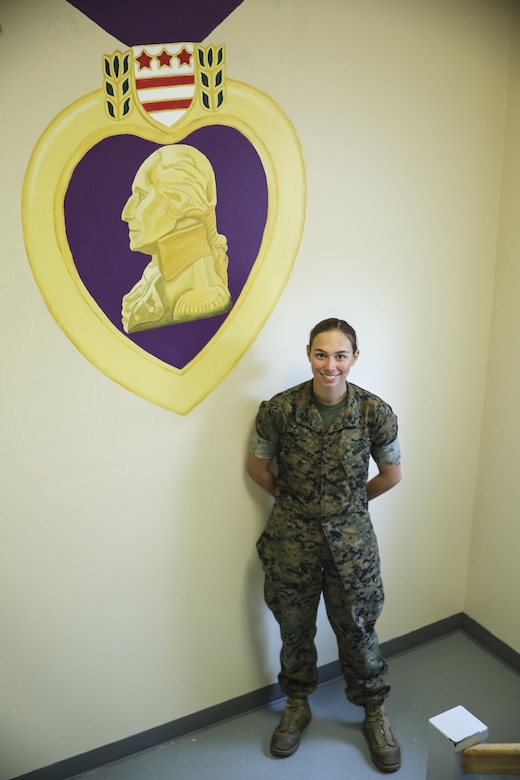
pixel 98 239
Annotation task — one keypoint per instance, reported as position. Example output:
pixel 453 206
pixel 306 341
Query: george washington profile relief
pixel 171 216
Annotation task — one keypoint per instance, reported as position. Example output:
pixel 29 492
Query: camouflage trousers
pixel 300 564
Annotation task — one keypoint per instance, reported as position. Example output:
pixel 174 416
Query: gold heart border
pixel 60 148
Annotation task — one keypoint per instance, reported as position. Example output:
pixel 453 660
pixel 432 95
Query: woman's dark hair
pixel 334 324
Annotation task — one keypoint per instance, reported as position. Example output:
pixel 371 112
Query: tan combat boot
pixel 286 736
pixel 384 748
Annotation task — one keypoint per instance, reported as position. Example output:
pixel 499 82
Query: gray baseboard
pixel 262 697
pixel 490 642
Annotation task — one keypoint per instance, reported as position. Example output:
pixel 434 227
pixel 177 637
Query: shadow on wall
pixel 219 524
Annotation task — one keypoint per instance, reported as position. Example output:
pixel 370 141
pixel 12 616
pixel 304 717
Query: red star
pixel 164 59
pixel 184 57
pixel 144 60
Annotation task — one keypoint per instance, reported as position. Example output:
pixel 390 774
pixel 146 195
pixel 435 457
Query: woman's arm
pixel 389 475
pixel 260 472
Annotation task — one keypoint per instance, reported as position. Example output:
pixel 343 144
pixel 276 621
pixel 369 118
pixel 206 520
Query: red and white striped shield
pixel 164 80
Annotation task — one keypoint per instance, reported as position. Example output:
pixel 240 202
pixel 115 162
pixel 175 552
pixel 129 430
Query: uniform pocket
pixel 355 459
pixel 299 464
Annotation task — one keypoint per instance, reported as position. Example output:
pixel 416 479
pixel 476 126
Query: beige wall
pixel 494 573
pixel 131 594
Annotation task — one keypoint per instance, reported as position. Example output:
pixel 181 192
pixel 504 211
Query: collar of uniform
pixel 308 414
pixel 349 415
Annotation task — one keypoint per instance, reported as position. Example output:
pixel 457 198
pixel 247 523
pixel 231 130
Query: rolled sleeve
pixel 386 426
pixel 265 440
pixel 387 454
pixel 261 448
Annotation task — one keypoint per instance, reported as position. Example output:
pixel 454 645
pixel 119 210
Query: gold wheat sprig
pixel 116 70
pixel 212 72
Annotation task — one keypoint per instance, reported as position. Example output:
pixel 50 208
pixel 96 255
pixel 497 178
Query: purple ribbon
pixel 157 21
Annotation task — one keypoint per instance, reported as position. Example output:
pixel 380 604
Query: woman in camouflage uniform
pixel 319 537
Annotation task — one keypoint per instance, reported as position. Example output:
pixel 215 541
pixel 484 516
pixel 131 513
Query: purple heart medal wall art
pixel 162 215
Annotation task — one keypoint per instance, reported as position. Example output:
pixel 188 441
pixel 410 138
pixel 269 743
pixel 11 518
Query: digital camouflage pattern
pixel 319 536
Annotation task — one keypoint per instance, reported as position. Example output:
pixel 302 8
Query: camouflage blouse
pixel 322 471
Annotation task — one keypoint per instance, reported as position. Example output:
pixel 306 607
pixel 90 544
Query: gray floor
pixel 425 682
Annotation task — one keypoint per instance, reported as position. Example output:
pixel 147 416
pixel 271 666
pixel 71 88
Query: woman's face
pixel 331 357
